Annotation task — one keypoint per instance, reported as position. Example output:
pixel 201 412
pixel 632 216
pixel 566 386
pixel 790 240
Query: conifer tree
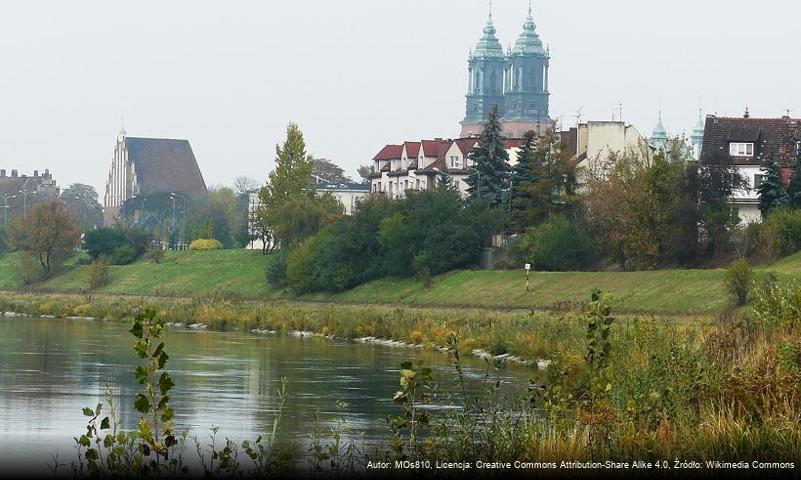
pixel 794 188
pixel 489 175
pixel 444 180
pixel 772 193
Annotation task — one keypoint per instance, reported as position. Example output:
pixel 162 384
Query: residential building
pixel 141 167
pixel 515 82
pixel 19 192
pixel 596 144
pixel 418 165
pixel 748 143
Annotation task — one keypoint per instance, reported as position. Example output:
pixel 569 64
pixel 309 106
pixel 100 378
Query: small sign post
pixel 528 271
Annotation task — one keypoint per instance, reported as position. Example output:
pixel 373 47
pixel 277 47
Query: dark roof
pixel 773 138
pixel 412 148
pixel 164 166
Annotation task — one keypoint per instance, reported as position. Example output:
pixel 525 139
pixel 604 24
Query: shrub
pixel 123 255
pixel 121 245
pixel 205 244
pixel 557 245
pixel 783 228
pixel 27 269
pixel 96 274
pixel 276 269
pixel 738 279
pixel 155 254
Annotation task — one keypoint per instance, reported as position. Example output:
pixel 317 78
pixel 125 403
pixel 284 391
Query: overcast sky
pixel 357 74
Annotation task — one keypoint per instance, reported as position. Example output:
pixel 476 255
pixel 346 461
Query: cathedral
pixel 516 82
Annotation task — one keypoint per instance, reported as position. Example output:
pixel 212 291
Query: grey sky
pixel 356 74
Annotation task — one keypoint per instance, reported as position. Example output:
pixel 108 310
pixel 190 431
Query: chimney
pixel 3 172
pixel 14 173
pixel 36 173
pixel 47 173
pixel 438 140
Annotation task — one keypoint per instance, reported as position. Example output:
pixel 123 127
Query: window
pixel 417 186
pixel 455 163
pixel 405 184
pixel 741 149
pixel 758 179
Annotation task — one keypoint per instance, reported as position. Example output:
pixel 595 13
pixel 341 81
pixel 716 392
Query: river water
pixel 51 368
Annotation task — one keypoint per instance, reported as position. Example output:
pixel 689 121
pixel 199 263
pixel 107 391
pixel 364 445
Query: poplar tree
pixel 772 193
pixel 489 175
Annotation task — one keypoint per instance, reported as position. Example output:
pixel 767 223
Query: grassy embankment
pixel 239 272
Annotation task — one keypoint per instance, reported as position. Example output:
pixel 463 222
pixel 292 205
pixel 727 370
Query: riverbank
pixel 525 336
pixel 240 273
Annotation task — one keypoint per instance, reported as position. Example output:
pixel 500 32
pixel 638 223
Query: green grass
pixel 241 272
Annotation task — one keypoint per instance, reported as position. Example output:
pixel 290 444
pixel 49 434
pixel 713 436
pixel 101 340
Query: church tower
pixel 527 84
pixel 698 136
pixel 486 66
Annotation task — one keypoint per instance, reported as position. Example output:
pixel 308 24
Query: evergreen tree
pixel 772 193
pixel 489 175
pixel 794 188
pixel 444 181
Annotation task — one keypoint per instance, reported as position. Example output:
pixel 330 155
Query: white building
pixel 417 165
pixel 598 143
pixel 748 143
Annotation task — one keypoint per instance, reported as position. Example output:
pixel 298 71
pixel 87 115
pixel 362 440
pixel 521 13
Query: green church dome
pixel 489 46
pixel 529 42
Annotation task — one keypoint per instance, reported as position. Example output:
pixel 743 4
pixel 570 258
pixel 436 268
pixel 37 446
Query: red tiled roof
pixel 389 152
pixel 466 144
pixel 412 148
pixel 773 138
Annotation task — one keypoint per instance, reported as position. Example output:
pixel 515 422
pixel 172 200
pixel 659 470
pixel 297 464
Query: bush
pixel 121 245
pixel 738 279
pixel 123 255
pixel 783 230
pixel 155 254
pixel 27 268
pixel 96 274
pixel 557 245
pixel 205 244
pixel 276 269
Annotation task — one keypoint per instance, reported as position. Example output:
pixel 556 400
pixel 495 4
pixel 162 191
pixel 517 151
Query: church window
pixel 741 149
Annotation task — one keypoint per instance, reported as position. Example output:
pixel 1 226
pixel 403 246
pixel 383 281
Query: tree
pixel 245 185
pixel 328 171
pixel 82 201
pixel 48 233
pixel 300 218
pixel 489 174
pixel 366 172
pixel 290 178
pixel 717 179
pixel 794 188
pixel 772 193
pixel 217 216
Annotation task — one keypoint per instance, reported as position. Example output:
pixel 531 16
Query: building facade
pixel 749 143
pixel 515 82
pixel 19 192
pixel 146 166
pixel 419 165
pixel 595 145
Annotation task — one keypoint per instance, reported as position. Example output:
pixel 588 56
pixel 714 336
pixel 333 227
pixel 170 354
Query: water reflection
pixel 51 368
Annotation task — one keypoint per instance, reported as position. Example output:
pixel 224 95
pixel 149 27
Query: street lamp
pixel 25 194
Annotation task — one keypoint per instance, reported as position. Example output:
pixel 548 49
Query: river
pixel 51 368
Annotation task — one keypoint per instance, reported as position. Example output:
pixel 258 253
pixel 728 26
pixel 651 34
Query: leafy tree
pixel 366 172
pixel 289 179
pixel 120 244
pixel 82 201
pixel 794 187
pixel 716 181
pixel 328 171
pixel 217 216
pixel 558 244
pixel 47 232
pixel 300 218
pixel 489 174
pixel 772 193
pixel 244 185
